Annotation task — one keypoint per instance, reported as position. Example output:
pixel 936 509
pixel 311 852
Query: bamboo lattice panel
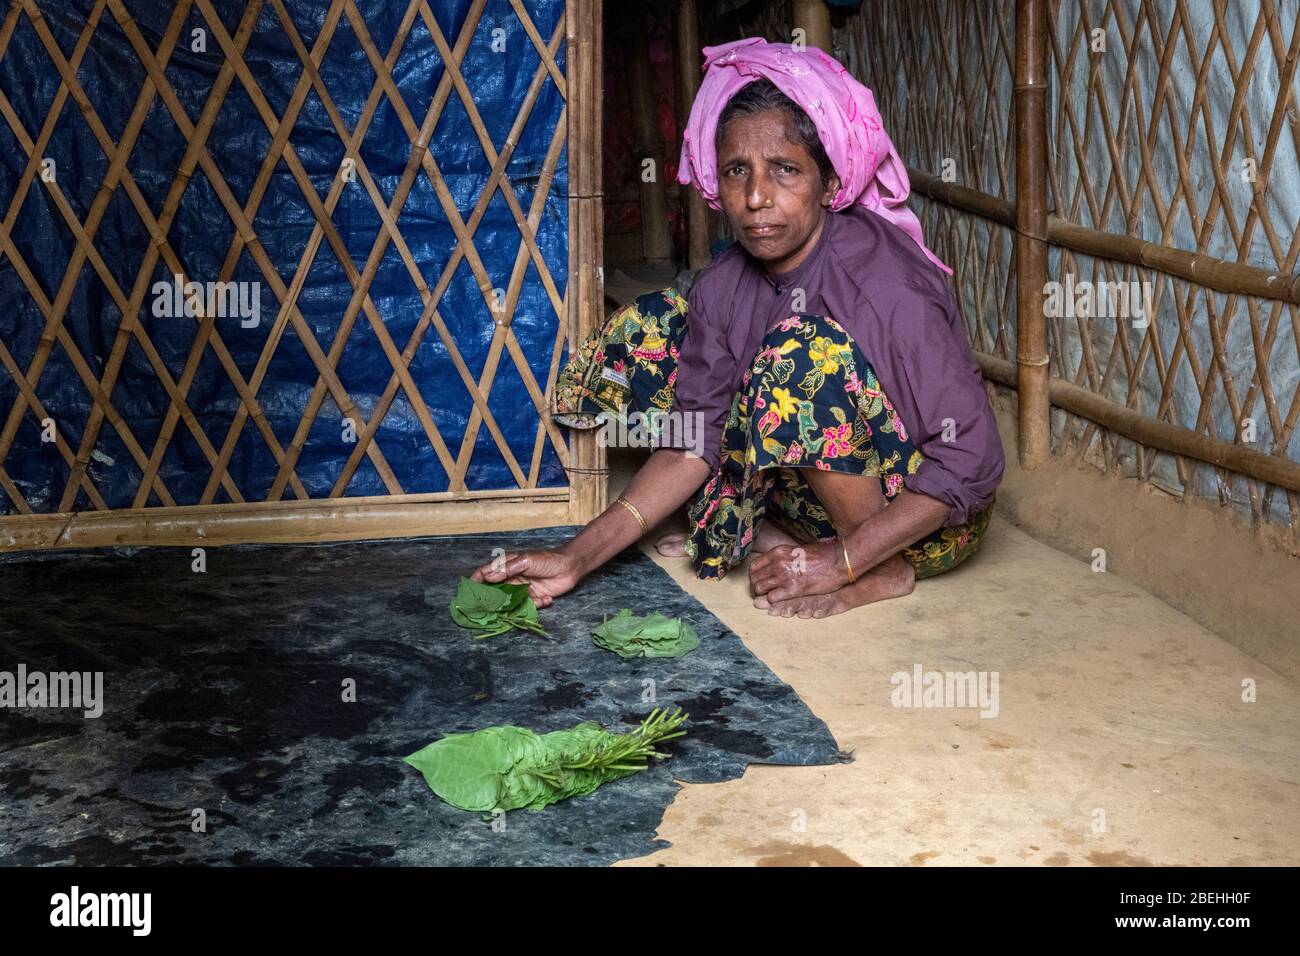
pixel 395 178
pixel 1154 137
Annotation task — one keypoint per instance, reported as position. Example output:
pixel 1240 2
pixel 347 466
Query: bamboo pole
pixel 1031 231
pixel 963 197
pixel 598 172
pixel 1153 432
pixel 593 303
pixel 656 240
pixel 814 19
pixel 289 520
pixel 578 451
pixel 588 471
pixel 688 84
pixel 1218 274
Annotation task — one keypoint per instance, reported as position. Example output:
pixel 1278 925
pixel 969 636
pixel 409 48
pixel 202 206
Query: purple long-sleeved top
pixel 869 276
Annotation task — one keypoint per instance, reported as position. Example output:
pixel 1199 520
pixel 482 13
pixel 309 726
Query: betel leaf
pixel 509 768
pixel 468 767
pixel 516 594
pixel 491 609
pixel 476 597
pixel 656 635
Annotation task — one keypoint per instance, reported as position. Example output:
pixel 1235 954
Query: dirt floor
pixel 1121 737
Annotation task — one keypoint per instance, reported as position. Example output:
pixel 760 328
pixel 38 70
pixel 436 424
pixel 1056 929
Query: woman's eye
pixel 788 169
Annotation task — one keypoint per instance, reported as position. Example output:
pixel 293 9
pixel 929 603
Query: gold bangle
pixel 847 562
pixel 635 514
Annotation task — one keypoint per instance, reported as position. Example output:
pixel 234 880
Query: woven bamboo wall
pixel 1174 139
pixel 559 59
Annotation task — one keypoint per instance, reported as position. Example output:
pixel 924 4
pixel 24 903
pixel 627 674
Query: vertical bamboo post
pixel 814 19
pixel 1031 232
pixel 598 168
pixel 656 239
pixel 588 471
pixel 688 84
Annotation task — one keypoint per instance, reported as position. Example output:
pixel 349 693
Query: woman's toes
pixel 672 545
pixel 792 607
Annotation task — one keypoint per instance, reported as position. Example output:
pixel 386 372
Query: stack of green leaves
pixel 492 609
pixel 508 768
pixel 629 635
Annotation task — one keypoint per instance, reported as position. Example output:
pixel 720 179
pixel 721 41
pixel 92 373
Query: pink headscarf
pixel 843 110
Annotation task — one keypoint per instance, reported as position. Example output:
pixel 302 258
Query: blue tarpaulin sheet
pixel 499 64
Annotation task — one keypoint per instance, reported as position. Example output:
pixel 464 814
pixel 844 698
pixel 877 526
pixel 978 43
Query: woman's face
pixel 771 190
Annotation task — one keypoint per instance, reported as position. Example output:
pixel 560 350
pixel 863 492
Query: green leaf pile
pixel 509 768
pixel 491 609
pixel 629 635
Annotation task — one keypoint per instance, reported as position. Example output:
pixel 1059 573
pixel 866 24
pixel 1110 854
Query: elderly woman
pixel 841 429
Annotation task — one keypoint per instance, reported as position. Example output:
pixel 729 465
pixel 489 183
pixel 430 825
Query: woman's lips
pixel 763 230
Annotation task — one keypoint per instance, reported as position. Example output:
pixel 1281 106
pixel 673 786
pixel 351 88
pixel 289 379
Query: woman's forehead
pixel 767 135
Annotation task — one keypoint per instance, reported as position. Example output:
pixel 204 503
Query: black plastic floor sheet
pixel 223 692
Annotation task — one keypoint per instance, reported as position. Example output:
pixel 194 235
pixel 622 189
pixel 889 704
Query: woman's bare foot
pixel 672 545
pixel 771 535
pixel 894 577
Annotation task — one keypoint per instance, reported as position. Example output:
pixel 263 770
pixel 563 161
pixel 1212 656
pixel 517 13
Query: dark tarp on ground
pixel 223 691
pixel 201 233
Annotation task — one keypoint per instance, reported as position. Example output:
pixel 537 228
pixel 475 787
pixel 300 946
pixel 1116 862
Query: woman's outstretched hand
pixel 665 482
pixel 548 574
